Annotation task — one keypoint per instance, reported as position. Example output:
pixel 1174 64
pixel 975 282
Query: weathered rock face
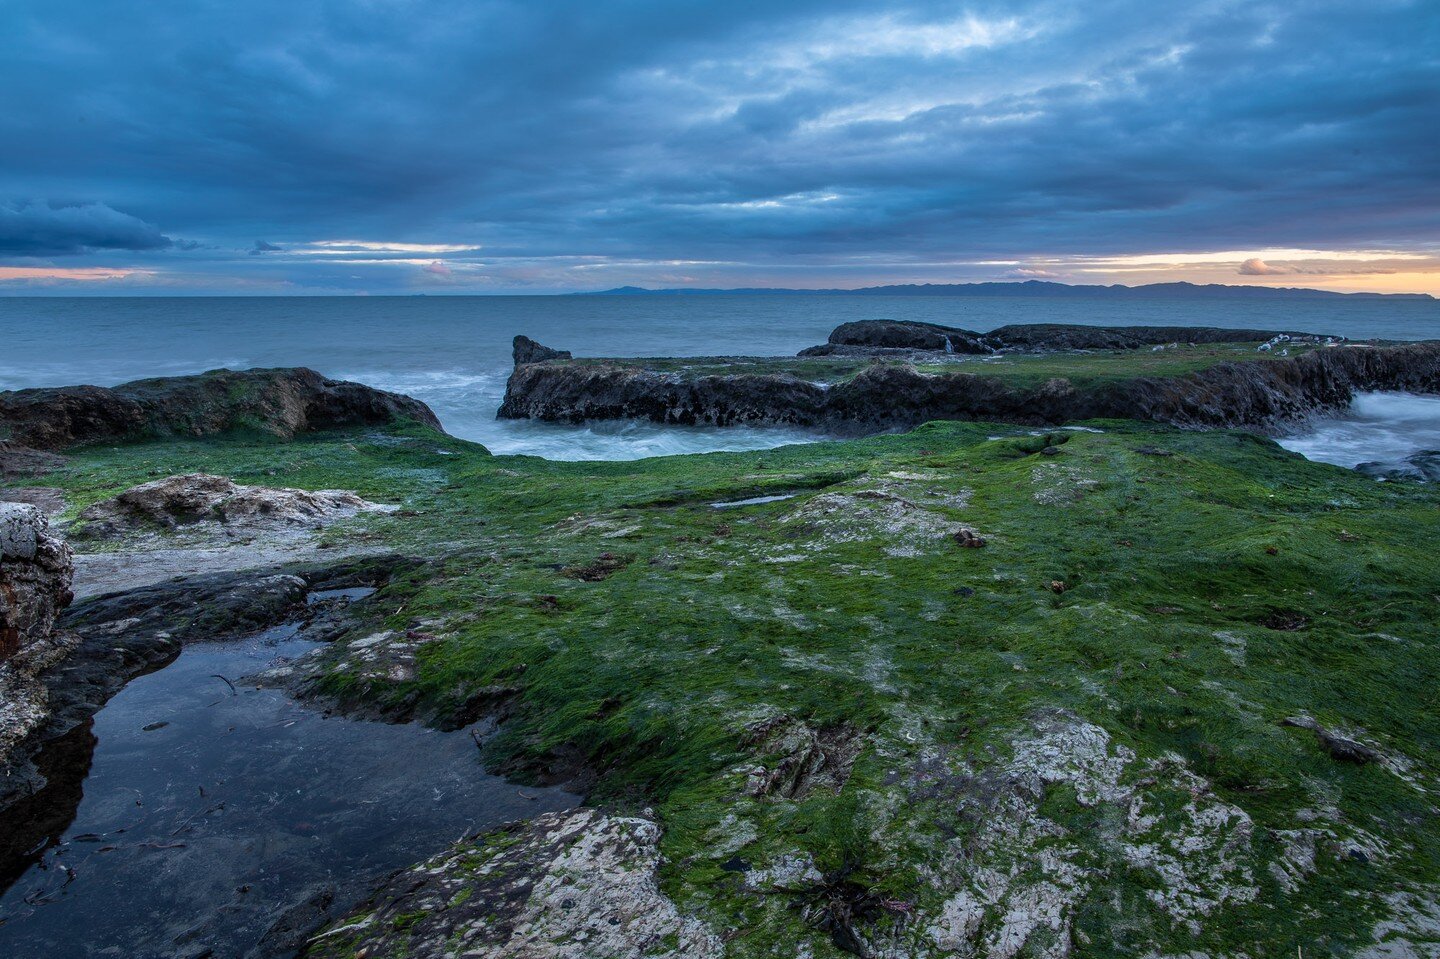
pixel 36 567
pixel 280 402
pixel 35 574
pixel 572 885
pixel 200 498
pixel 526 350
pixel 1256 395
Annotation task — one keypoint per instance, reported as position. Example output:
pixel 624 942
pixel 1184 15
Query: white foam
pixel 1378 427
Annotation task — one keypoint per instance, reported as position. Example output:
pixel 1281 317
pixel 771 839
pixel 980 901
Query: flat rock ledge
pixel 567 885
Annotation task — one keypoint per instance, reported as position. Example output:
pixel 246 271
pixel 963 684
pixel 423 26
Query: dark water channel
pixel 214 821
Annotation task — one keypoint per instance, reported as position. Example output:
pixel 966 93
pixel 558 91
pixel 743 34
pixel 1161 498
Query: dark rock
pixel 907 335
pixel 1258 394
pixel 278 402
pixel 1422 467
pixel 1339 747
pixel 527 350
pixel 1047 337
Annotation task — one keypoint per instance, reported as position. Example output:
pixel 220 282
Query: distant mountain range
pixel 1167 291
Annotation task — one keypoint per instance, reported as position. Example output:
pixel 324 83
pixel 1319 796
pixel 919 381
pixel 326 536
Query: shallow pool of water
pixel 210 807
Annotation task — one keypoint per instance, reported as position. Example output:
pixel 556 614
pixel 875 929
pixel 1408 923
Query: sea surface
pixel 454 352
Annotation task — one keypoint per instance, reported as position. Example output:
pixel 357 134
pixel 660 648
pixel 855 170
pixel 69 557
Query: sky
pixel 479 146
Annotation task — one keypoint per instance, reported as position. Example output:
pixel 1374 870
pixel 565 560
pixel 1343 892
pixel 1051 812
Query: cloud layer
pixel 570 145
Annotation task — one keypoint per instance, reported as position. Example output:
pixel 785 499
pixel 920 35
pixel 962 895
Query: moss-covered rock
pixel 859 735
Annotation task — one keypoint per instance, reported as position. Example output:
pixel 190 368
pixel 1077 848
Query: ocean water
pixel 454 352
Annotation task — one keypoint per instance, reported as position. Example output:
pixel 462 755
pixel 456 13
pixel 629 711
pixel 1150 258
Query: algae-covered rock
pixel 278 402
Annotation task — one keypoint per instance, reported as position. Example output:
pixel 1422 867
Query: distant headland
pixel 1041 288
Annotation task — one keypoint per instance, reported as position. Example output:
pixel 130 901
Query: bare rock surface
pixel 36 567
pixel 198 523
pixel 200 498
pixel 568 885
pixel 35 576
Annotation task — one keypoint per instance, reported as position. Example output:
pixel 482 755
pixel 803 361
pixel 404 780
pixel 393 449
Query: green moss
pixel 1176 571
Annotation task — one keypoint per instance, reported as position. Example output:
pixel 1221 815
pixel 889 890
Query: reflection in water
pixel 208 812
pixel 35 824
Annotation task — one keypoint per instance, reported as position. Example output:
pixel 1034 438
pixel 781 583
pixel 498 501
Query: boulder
pixel 277 402
pixel 35 574
pixel 527 350
pixel 200 498
pixel 36 568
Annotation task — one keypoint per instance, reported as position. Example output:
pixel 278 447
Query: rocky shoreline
pixel 912 373
pixel 959 692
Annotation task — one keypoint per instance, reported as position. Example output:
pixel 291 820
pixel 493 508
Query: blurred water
pixel 454 352
pixel 1379 428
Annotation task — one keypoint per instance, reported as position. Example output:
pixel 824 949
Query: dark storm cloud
pixel 32 228
pixel 664 130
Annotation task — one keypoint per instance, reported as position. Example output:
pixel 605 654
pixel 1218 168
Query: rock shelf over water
pixel 882 375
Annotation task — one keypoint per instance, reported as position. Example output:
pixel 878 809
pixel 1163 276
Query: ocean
pixel 454 352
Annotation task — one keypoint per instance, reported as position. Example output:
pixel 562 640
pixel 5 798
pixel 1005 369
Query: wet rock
pixel 526 350
pixel 1338 746
pixel 201 498
pixel 280 402
pixel 109 640
pixel 570 885
pixel 1423 467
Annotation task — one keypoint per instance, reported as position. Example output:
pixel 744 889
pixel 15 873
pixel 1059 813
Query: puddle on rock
pixel 753 501
pixel 186 818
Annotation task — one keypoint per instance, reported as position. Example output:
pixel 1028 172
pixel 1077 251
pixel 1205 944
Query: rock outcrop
pixel 277 402
pixel 1261 394
pixel 35 573
pixel 201 498
pixel 1026 337
pixel 526 350
pixel 570 885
